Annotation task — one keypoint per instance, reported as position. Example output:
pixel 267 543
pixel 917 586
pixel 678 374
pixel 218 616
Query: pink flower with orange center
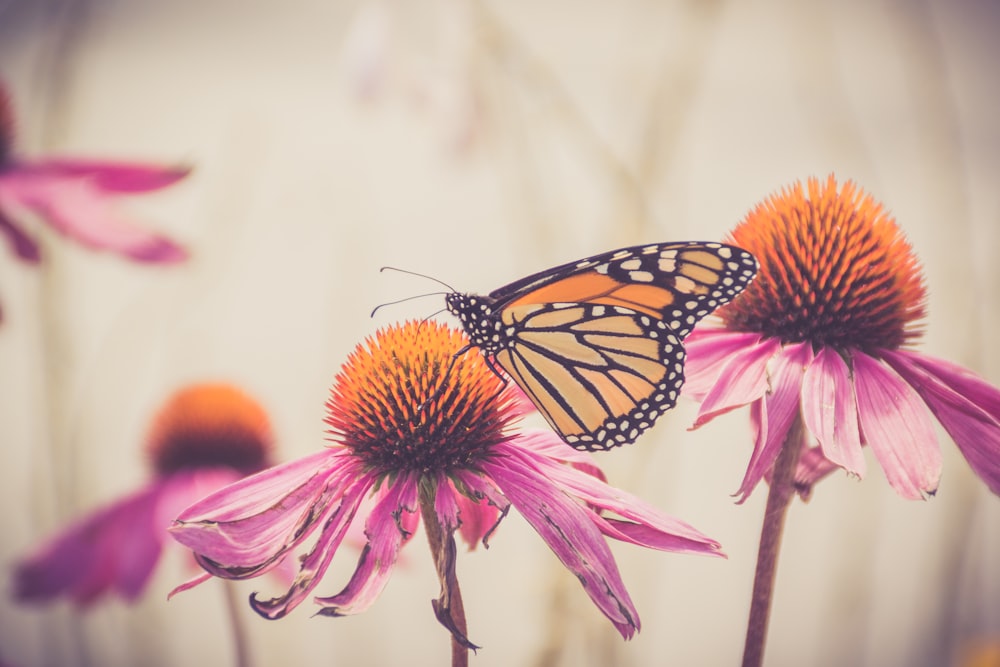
pixel 431 436
pixel 205 437
pixel 823 341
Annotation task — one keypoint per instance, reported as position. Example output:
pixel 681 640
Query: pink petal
pixel 743 380
pixel 830 411
pixel 108 175
pixel 386 537
pixel 568 528
pixel 895 424
pixel 113 549
pixel 314 564
pixel 651 528
pixel 961 380
pixel 708 351
pixel 775 413
pixel 962 403
pixel 247 527
pixel 813 467
pixel 84 213
pixel 483 490
pixel 23 245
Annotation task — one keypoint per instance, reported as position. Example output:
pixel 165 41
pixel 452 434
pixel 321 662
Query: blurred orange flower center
pixel 210 425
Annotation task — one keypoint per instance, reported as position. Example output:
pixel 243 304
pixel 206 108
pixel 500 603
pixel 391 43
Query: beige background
pixel 479 142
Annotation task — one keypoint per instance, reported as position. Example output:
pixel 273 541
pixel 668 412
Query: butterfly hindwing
pixel 600 375
pixel 597 344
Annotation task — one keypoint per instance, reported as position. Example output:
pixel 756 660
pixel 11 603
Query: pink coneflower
pixel 73 196
pixel 822 336
pixel 818 347
pixel 206 436
pixel 433 443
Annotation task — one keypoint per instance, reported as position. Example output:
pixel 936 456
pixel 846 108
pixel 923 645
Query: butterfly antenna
pixel 419 275
pixel 409 298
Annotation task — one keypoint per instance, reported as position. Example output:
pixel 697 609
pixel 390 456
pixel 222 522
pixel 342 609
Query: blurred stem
pixel 448 608
pixel 241 650
pixel 779 496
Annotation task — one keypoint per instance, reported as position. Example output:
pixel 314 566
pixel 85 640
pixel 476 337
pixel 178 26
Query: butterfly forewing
pixel 596 344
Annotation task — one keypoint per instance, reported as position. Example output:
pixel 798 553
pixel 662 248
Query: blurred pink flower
pixel 205 437
pixel 819 338
pixel 73 196
pixel 433 439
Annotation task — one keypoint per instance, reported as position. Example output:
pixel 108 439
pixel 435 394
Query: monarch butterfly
pixel 596 343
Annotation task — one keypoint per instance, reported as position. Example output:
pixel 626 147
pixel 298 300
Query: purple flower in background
pixel 429 434
pixel 205 437
pixel 817 348
pixel 74 197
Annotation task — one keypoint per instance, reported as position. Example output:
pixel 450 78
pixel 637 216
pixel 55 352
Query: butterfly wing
pixel 600 375
pixel 596 344
pixel 678 282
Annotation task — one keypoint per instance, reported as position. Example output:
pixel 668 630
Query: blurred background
pixel 479 141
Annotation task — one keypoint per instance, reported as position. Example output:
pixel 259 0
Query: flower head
pixel 823 335
pixel 73 196
pixel 203 438
pixel 429 434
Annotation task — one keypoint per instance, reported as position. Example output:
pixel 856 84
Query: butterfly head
pixel 475 312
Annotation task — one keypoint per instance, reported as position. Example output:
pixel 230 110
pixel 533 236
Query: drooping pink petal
pixel 568 529
pixel 79 210
pixel 113 549
pixel 961 380
pixel 247 527
pixel 386 537
pixel 708 351
pixel 646 525
pixel 107 175
pixel 775 412
pixel 830 412
pixel 813 467
pixel 477 519
pixel 895 424
pixel 489 495
pixel 975 430
pixel 743 380
pixel 314 563
pixel 23 245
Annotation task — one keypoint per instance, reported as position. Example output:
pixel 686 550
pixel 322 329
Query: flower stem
pixel 240 647
pixel 779 496
pixel 449 608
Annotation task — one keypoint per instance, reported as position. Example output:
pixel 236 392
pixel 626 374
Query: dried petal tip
pixel 403 401
pixel 210 425
pixel 835 270
pixel 6 125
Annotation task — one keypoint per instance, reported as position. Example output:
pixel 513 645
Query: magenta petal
pixel 82 212
pixel 115 548
pixel 830 410
pixel 812 467
pixel 315 563
pixel 23 245
pixel 743 380
pixel 895 424
pixel 708 352
pixel 949 394
pixel 109 175
pixel 245 528
pixel 386 536
pixel 646 525
pixel 961 380
pixel 567 527
pixel 775 413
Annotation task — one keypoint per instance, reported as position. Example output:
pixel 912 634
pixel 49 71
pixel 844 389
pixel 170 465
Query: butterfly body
pixel 597 344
